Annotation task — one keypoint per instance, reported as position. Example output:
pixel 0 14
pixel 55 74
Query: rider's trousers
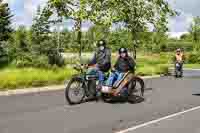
pixel 114 77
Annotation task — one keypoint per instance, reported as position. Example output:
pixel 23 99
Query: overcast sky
pixel 24 10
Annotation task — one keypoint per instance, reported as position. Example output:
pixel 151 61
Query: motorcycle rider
pixel 101 60
pixel 179 58
pixel 124 64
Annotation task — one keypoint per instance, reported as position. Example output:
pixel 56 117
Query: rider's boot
pixel 98 91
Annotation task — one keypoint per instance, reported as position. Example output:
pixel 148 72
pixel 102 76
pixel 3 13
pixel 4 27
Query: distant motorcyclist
pixel 179 59
pixel 101 60
pixel 179 56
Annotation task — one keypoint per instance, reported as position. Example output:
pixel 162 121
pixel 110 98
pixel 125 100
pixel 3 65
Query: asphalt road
pixel 49 113
pixel 184 123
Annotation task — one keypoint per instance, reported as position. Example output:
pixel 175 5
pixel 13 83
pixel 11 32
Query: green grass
pixel 193 66
pixel 190 66
pixel 31 77
pixel 152 64
pixel 12 77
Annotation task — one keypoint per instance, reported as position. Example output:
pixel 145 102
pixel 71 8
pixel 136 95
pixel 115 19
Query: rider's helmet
pixel 123 50
pixel 101 43
pixel 178 50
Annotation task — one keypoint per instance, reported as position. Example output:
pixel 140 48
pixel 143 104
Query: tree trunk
pixel 79 37
pixel 134 44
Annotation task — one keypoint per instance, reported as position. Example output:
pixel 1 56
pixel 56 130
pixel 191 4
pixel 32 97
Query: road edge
pixel 47 88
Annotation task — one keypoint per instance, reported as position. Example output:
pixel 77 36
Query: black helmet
pixel 101 43
pixel 123 50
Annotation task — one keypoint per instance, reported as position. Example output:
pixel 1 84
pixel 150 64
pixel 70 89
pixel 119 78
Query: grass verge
pixel 13 78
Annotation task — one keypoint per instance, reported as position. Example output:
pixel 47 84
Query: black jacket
pixel 102 59
pixel 125 64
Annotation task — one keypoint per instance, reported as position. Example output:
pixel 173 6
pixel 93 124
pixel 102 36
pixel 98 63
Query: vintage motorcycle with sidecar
pixel 83 85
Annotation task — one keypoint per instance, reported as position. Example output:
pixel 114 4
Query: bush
pixel 55 58
pixel 172 46
pixel 32 61
pixel 193 58
pixel 12 78
pixel 41 62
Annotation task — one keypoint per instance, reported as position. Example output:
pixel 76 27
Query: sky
pixel 24 11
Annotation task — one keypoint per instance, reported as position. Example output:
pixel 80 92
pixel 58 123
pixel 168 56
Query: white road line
pixel 157 120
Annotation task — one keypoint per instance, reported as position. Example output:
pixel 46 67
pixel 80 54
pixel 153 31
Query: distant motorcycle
pixel 178 70
pixel 85 83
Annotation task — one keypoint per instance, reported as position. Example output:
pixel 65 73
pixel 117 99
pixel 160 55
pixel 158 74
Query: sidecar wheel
pixel 136 88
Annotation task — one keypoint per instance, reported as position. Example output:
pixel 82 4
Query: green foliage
pixel 172 46
pixel 31 61
pixel 13 78
pixel 5 29
pixel 35 47
pixel 5 21
pixel 186 37
pixel 27 52
pixel 41 23
pixel 195 29
pixel 136 15
pixel 18 44
pixel 194 58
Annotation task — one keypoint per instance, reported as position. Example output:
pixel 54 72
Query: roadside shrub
pixel 55 58
pixel 32 61
pixel 193 58
pixel 24 60
pixel 41 62
pixel 172 46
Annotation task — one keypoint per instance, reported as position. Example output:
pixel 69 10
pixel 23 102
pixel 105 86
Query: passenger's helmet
pixel 123 50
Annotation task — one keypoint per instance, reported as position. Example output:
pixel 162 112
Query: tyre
pixel 178 74
pixel 75 91
pixel 136 87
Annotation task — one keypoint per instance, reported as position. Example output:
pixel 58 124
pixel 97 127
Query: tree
pixel 79 11
pixel 195 29
pixel 186 37
pixel 5 21
pixel 40 30
pixel 45 42
pixel 5 25
pixel 18 45
pixel 95 33
pixel 138 14
pixel 70 9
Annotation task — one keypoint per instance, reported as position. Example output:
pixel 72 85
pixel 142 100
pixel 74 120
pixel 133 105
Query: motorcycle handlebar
pixel 80 67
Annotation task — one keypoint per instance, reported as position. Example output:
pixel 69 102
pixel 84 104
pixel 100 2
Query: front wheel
pixel 75 91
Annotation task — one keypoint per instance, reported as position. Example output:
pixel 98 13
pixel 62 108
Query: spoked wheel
pixel 136 89
pixel 75 91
